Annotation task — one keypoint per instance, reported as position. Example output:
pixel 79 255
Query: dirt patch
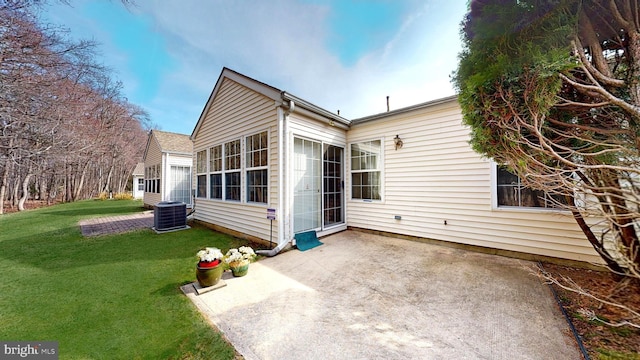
pixel 28 205
pixel 600 340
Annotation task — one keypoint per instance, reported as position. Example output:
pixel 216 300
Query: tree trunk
pixel 108 181
pixel 42 187
pixel 78 189
pixel 53 189
pixel 14 196
pixel 3 190
pixel 597 246
pixel 25 192
pixel 5 176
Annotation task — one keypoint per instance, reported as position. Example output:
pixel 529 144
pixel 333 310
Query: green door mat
pixel 307 240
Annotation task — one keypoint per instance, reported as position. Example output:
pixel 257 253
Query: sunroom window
pixel 201 174
pixel 215 175
pixel 232 154
pixel 256 162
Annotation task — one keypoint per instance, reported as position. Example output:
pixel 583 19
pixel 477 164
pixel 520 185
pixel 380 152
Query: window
pixel 232 165
pixel 201 176
pixel 152 182
pixel 256 161
pixel 140 184
pixel 365 170
pixel 511 192
pixel 146 179
pixel 180 184
pixel 158 176
pixel 215 176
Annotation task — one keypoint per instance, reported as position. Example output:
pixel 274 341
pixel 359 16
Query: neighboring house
pixel 167 163
pixel 407 172
pixel 137 186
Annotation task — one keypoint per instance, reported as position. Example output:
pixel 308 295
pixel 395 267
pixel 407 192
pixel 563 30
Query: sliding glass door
pixel 318 194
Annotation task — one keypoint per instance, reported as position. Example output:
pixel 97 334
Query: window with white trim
pixel 256 156
pixel 366 170
pixel 511 193
pixel 146 179
pixel 158 177
pixel 232 164
pixel 215 172
pixel 152 176
pixel 201 174
pixel 180 183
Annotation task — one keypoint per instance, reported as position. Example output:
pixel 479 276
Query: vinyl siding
pixel 302 126
pixel 153 157
pixel 236 112
pixel 179 160
pixel 437 177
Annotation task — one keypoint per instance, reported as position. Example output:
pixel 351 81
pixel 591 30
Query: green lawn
pixel 106 297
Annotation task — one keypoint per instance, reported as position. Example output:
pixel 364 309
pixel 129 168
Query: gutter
pixel 282 123
pixel 387 114
pixel 314 111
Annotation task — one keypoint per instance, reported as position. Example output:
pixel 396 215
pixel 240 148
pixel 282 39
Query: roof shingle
pixel 172 142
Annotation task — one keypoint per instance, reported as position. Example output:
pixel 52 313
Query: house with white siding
pixel 260 151
pixel 137 185
pixel 167 168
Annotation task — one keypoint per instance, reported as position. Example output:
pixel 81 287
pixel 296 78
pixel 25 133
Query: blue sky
pixel 340 55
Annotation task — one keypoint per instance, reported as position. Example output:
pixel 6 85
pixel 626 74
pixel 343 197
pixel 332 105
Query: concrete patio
pixel 363 296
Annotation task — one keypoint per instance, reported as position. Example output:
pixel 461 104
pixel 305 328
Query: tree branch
pixel 631 109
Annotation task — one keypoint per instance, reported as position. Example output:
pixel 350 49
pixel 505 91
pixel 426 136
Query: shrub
pixel 123 196
pixel 119 196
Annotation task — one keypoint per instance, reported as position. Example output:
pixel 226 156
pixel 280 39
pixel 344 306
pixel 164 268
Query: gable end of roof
pixel 172 142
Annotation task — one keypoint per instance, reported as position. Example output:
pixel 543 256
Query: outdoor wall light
pixel 397 142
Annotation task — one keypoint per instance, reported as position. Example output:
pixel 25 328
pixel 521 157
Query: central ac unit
pixel 170 215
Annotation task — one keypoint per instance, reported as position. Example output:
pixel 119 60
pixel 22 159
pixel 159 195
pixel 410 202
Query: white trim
pixel 344 190
pixel 322 230
pixel 381 166
pixel 332 230
pixel 164 175
pixel 247 168
pixel 282 157
pixel 205 173
pixel 226 171
pixel 216 172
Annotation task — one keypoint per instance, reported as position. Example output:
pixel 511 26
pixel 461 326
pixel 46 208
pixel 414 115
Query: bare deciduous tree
pixel 63 121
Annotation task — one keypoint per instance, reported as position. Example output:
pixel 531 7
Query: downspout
pixel 164 166
pixel 282 188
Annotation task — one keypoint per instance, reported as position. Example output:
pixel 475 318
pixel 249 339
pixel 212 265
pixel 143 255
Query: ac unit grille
pixel 170 215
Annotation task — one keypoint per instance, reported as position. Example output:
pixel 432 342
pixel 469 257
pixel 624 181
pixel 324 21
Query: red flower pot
pixel 209 264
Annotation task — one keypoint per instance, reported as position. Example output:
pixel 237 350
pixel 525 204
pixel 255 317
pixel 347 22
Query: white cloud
pixel 283 43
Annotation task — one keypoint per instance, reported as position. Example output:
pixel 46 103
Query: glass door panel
pixel 307 162
pixel 333 192
pixel 180 184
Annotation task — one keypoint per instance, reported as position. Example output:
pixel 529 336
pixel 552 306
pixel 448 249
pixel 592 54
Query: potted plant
pixel 209 269
pixel 239 259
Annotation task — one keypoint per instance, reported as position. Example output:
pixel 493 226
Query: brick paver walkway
pixel 116 224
